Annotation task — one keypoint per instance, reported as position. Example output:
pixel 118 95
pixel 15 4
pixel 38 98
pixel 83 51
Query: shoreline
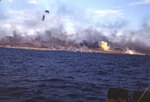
pixel 88 51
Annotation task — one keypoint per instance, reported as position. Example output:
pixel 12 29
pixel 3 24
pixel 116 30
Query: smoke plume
pixel 66 30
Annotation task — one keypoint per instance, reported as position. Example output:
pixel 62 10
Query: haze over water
pixel 53 76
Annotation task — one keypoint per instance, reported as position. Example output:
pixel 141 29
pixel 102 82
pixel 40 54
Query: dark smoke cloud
pixel 91 37
pixel 57 38
pixel 54 35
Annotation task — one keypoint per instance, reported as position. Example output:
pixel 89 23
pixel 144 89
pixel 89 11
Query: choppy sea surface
pixel 53 76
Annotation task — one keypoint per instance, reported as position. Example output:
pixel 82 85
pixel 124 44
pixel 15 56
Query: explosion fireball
pixel 104 45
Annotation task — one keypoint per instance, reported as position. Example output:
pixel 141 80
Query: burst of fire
pixel 131 52
pixel 104 45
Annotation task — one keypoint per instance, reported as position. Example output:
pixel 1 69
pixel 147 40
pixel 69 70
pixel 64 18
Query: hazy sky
pixel 25 15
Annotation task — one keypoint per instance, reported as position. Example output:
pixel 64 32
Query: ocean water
pixel 53 76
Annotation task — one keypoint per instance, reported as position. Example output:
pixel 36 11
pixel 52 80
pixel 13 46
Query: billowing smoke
pixel 88 40
pixel 66 30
